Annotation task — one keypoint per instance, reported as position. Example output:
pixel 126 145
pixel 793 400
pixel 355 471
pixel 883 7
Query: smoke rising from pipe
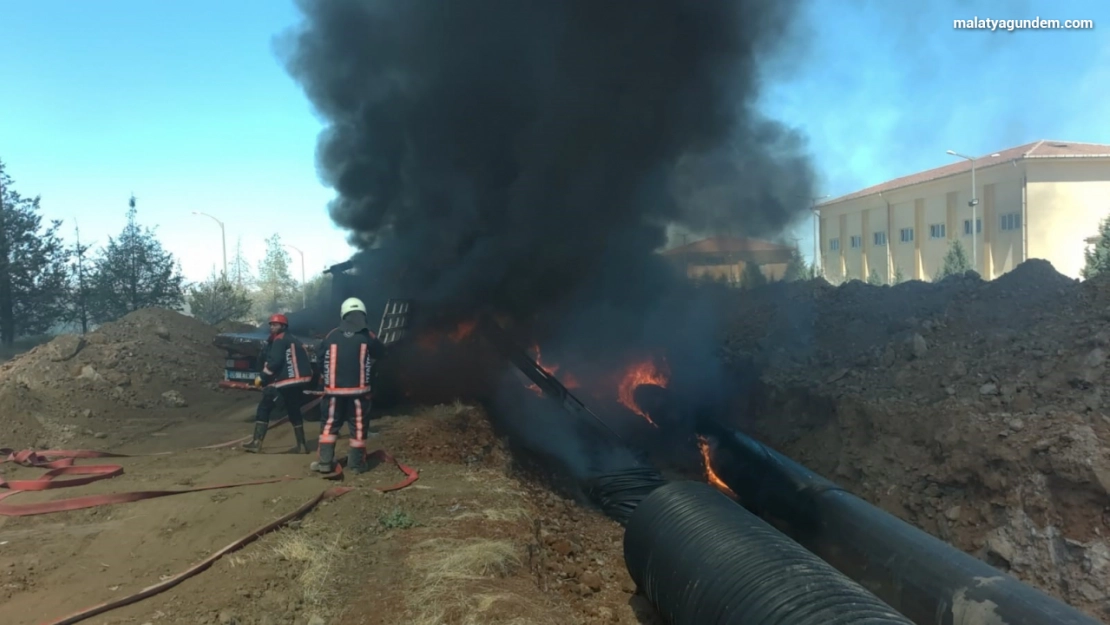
pixel 530 155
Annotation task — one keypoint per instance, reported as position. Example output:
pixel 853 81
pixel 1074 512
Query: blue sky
pixel 184 104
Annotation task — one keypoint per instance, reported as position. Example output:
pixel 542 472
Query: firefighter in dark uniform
pixel 346 356
pixel 287 373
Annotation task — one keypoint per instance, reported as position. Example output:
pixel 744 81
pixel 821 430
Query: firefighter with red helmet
pixel 286 373
pixel 347 355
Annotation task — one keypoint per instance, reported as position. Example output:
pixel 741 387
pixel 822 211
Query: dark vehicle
pixel 244 349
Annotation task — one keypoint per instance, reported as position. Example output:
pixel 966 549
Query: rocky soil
pixel 150 361
pixel 974 410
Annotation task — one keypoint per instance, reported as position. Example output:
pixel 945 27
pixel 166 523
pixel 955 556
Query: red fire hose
pixel 201 566
pixel 60 463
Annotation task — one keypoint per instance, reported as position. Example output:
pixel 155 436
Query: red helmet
pixel 279 318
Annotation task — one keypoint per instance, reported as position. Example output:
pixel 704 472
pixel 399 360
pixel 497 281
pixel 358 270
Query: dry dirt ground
pixel 468 543
pixel 152 364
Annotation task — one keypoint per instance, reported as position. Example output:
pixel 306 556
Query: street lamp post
pixel 817 264
pixel 974 204
pixel 223 237
pixel 304 285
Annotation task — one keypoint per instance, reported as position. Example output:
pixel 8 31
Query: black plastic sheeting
pixel 619 493
pixel 701 559
pixel 928 580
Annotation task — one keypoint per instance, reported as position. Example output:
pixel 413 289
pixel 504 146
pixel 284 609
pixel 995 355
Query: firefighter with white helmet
pixel 346 356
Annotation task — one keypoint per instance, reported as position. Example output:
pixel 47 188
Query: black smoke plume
pixel 527 156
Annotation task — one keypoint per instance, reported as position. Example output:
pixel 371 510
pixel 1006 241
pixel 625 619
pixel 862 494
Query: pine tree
pixel 874 278
pixel 1097 255
pixel 218 299
pixel 276 286
pixel 796 268
pixel 32 266
pixel 899 277
pixel 239 269
pixel 752 276
pixel 80 283
pixel 133 272
pixel 955 262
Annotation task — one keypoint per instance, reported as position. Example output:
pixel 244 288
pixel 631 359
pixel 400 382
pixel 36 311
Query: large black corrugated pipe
pixel 703 560
pixel 928 580
pixel 619 493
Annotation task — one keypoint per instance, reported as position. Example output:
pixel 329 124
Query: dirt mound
pixel 233 326
pixel 149 361
pixel 972 409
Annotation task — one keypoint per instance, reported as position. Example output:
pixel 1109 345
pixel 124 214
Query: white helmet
pixel 350 305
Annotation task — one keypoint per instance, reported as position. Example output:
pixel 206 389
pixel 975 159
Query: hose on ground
pixel 620 492
pixel 701 559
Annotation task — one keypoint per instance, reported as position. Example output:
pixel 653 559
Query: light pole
pixel 974 204
pixel 223 237
pixel 817 264
pixel 304 285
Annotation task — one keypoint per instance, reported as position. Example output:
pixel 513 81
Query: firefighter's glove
pixel 258 382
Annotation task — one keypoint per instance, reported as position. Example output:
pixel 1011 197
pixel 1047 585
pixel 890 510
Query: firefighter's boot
pixel 356 460
pixel 326 461
pixel 260 428
pixel 302 445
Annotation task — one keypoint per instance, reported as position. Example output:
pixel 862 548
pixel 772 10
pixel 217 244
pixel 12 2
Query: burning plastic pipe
pixel 926 579
pixel 616 492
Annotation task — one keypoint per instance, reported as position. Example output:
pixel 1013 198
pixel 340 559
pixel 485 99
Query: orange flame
pixel 429 341
pixel 568 379
pixel 637 375
pixel 464 330
pixel 710 474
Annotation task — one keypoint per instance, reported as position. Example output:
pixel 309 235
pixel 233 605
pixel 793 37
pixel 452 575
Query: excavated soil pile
pixel 150 361
pixel 971 409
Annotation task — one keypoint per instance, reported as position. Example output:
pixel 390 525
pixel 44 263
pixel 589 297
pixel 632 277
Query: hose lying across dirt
pixel 203 565
pixel 61 463
pixel 703 560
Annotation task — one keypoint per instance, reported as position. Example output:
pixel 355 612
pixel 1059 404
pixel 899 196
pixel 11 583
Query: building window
pixel 834 244
pixel 1011 221
pixel 937 231
pixel 906 235
pixel 978 227
pixel 879 238
pixel 856 242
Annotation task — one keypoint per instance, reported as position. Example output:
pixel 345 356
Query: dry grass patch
pixel 445 411
pixel 454 584
pixel 510 507
pixel 319 558
pixel 492 481
pixel 503 515
pixel 316 556
pixel 443 560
